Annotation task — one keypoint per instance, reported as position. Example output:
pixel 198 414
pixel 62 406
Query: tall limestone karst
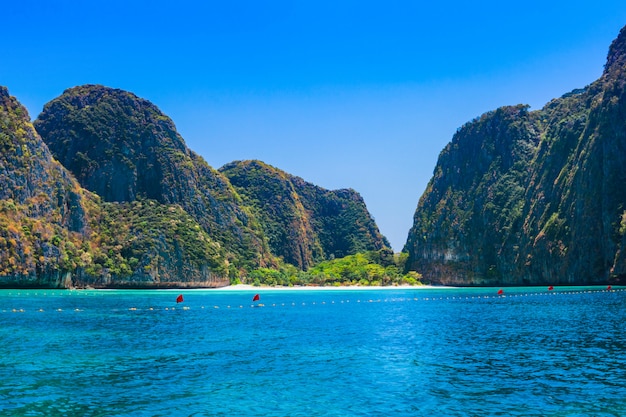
pixel 304 223
pixel 124 149
pixel 42 213
pixel 524 197
pixel 55 234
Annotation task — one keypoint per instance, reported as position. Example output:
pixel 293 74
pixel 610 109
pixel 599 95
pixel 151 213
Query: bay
pixel 406 352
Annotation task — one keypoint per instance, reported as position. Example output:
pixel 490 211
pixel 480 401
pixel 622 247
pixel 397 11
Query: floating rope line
pixel 454 298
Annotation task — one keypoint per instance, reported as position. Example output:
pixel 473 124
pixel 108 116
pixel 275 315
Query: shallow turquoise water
pixel 454 352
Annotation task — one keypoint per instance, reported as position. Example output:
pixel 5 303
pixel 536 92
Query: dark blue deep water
pixel 405 352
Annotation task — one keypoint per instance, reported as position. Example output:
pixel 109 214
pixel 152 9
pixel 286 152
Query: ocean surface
pixel 404 352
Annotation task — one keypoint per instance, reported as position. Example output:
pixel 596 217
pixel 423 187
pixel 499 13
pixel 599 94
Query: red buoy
pixel 550 288
pixel 500 291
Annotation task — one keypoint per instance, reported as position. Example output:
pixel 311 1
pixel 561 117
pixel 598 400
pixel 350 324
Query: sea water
pixel 401 352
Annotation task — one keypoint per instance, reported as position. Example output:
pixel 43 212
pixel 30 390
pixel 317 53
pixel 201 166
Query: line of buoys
pixel 500 294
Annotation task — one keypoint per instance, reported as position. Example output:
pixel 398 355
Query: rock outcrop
pixel 528 198
pixel 123 148
pixel 130 206
pixel 41 206
pixel 304 223
pixel 55 234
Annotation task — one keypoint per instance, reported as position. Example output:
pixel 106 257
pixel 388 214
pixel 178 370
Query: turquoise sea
pixel 400 352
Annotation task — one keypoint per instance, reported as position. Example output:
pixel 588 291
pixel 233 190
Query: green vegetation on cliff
pixel 42 214
pixel 285 221
pixel 304 224
pixel 538 197
pixel 55 234
pixel 148 244
pixel 152 213
pixel 123 148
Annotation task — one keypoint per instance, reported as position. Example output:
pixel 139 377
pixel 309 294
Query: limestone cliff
pixel 54 234
pixel 150 212
pixel 521 197
pixel 304 223
pixel 42 210
pixel 124 148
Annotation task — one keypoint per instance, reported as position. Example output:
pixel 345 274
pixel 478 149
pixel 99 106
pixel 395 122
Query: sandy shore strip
pixel 244 287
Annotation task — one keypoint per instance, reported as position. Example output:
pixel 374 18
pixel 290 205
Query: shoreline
pixel 252 288
pixel 247 287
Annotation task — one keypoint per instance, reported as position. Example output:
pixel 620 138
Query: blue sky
pixel 345 94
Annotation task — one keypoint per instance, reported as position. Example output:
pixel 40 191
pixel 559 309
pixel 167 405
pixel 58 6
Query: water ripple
pixel 406 353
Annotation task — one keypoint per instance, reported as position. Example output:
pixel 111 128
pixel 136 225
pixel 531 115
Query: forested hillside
pixel 304 223
pixel 124 149
pixel 54 234
pixel 101 191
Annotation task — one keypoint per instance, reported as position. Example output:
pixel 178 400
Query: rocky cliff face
pixel 41 206
pixel 124 148
pixel 126 151
pixel 304 223
pixel 523 197
pixel 54 234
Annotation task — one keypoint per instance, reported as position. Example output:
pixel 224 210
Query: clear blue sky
pixel 345 94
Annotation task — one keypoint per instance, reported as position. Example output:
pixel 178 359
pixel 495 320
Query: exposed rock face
pixel 522 197
pixel 124 148
pixel 41 205
pixel 54 234
pixel 28 173
pixel 304 223
pixel 167 219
